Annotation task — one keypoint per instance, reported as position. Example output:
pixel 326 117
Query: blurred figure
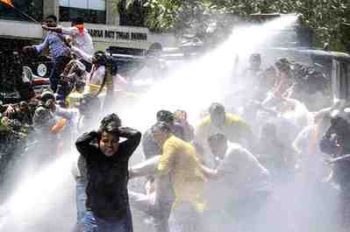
pixel 180 117
pixel 80 38
pixel 179 183
pixel 90 110
pixel 20 112
pixel 74 75
pixel 149 145
pixel 335 142
pixel 59 51
pixel 311 159
pixel 97 78
pixel 241 186
pixel 250 77
pixel 43 118
pixel 272 153
pixel 285 83
pixel 254 68
pixel 219 121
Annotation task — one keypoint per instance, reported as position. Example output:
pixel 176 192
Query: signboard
pixel 104 33
pixel 117 35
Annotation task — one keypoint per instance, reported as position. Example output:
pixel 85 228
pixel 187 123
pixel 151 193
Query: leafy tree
pixel 329 19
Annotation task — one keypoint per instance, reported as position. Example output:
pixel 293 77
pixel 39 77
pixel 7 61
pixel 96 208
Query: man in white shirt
pixel 241 188
pixel 80 38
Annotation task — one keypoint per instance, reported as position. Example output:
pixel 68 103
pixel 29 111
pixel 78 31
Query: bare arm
pixel 145 168
pixel 54 29
pixel 209 173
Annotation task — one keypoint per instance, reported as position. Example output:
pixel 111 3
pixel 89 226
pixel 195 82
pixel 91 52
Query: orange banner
pixel 7 2
pixel 59 126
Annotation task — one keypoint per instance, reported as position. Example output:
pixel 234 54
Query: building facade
pixel 101 17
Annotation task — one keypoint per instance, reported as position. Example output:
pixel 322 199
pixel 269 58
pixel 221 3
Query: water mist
pixel 191 86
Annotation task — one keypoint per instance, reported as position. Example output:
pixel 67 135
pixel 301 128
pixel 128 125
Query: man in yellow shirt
pixel 219 121
pixel 180 161
pixel 179 180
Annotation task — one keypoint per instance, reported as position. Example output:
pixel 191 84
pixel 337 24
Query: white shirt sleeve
pixel 72 31
pixel 82 54
pixel 239 159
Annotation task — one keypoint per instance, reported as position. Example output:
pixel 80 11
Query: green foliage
pixel 325 17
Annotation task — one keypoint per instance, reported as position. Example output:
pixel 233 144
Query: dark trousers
pixel 58 66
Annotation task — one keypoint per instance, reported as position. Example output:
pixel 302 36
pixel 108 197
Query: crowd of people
pixel 220 175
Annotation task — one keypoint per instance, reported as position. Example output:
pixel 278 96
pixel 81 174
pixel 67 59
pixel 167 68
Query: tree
pixel 327 18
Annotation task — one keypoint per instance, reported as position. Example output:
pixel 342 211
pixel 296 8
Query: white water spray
pixel 192 87
pixel 196 84
pixel 32 203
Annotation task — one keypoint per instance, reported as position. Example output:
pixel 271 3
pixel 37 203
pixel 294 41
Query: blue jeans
pixel 92 223
pixel 80 198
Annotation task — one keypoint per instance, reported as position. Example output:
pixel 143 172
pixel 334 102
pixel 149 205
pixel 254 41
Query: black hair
pixel 78 20
pixel 161 127
pixel 110 124
pixel 217 138
pixel 54 17
pixel 62 103
pixel 47 95
pixel 23 103
pixel 283 64
pixel 100 57
pixel 165 116
pixel 111 127
pixel 216 108
pixel 109 119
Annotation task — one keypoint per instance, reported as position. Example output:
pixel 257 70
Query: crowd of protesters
pixel 219 175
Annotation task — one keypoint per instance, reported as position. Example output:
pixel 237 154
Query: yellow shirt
pixel 179 159
pixel 234 128
pixel 73 99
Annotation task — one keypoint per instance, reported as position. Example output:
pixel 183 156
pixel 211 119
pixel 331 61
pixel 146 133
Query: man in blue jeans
pixel 107 162
pixel 59 51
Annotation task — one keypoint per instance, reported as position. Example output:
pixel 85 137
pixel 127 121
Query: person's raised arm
pixel 83 142
pixel 209 173
pixel 54 29
pixel 133 138
pixel 82 54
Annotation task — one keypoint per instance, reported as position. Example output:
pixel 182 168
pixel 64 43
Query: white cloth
pixel 241 170
pixel 96 76
pixel 83 40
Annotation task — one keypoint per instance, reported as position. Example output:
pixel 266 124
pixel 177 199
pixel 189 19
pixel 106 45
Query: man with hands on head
pixel 107 175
